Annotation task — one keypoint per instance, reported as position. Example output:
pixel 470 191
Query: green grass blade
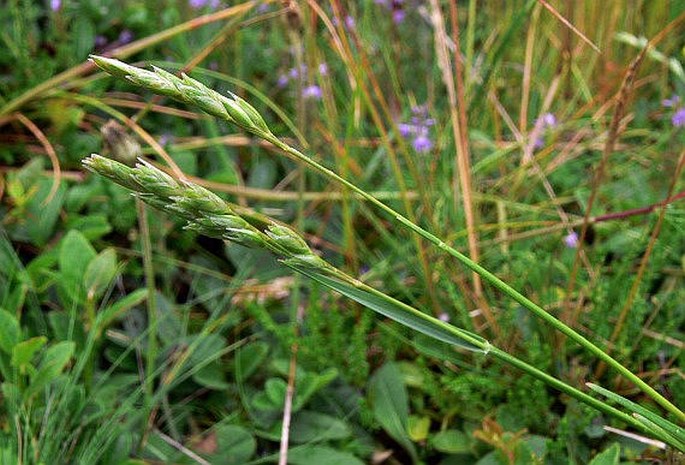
pixel 400 312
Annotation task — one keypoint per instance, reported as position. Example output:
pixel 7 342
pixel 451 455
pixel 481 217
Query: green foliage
pixel 84 377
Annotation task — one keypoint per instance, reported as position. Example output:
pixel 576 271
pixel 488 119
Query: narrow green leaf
pixel 659 426
pixel 400 312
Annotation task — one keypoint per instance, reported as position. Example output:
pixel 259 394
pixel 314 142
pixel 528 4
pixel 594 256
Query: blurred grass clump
pixel 542 139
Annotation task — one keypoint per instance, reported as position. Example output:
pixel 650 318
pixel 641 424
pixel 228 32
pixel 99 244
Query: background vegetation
pixel 549 149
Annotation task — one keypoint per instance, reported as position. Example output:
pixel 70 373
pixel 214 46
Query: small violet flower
pixel 396 7
pixel 100 41
pixel 312 92
pixel 295 73
pixel 282 80
pixel 422 144
pixel 544 123
pixel 571 240
pixel 671 102
pixel 678 117
pixel 350 23
pixel 55 5
pixel 196 4
pixel 548 120
pixel 418 129
pixel 398 16
pixel 125 37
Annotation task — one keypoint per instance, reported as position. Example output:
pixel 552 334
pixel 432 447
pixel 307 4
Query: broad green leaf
pixel 310 384
pixel 211 376
pixel 74 256
pixel 451 441
pixel 235 445
pixel 320 455
pixel 275 390
pixel 309 426
pixel 100 272
pixel 391 405
pixel 418 428
pixel 400 312
pixel 112 312
pixel 43 217
pixel 23 353
pixel 52 365
pixel 609 456
pixel 91 226
pixel 249 358
pixel 9 331
pixel 83 37
pixel 57 356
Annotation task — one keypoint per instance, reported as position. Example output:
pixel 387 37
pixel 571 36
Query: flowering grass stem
pixel 236 110
pixel 210 215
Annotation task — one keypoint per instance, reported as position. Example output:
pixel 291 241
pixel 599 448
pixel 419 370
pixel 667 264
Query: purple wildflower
pixel 544 122
pixel 350 23
pixel 398 16
pixel 405 129
pixel 678 118
pixel 548 120
pixel 214 4
pixel 418 129
pixel 313 92
pixel 55 5
pixel 422 144
pixel 100 41
pixel 444 317
pixel 263 7
pixel 282 80
pixel 294 73
pixel 671 102
pixel 125 37
pixel 195 4
pixel 571 240
pixel 323 69
pixel 165 139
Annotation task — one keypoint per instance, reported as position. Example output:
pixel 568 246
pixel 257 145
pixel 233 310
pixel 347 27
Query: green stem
pixel 503 356
pixel 486 275
pixel 148 269
pixel 566 388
